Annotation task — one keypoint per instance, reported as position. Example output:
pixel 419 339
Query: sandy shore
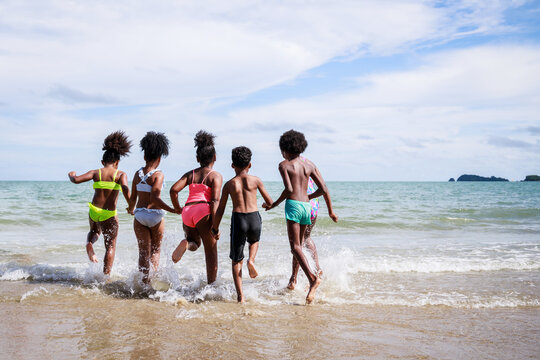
pixel 54 321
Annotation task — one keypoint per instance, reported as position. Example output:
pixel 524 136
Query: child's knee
pixel 192 245
pixel 94 232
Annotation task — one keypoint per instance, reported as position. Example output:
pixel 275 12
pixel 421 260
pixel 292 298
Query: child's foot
pixel 91 254
pixel 252 271
pixel 311 294
pixel 292 283
pixel 179 251
pixel 240 299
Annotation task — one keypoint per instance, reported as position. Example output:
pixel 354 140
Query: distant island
pixel 532 178
pixel 479 178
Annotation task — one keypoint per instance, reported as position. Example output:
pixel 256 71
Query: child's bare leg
pixel 237 277
pixel 144 241
pixel 156 234
pixel 312 286
pixel 91 238
pixel 210 248
pixel 90 251
pixel 179 251
pixel 191 243
pixel 296 232
pixel 294 274
pixel 310 245
pixel 295 265
pixel 253 247
pixel 292 280
pixel 110 233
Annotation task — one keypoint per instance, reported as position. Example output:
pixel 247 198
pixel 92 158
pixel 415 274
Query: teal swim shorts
pixel 298 211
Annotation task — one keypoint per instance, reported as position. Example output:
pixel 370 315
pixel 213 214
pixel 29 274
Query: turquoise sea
pixel 409 243
pixel 463 250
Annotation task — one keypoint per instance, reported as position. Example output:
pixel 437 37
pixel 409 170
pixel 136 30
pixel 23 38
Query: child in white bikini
pixel 108 181
pixel 149 211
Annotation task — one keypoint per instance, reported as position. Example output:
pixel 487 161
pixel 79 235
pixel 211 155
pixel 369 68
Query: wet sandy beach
pixel 52 321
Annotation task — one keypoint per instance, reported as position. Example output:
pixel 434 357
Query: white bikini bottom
pixel 149 217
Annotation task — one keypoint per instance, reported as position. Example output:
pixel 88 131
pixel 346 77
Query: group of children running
pixel 205 205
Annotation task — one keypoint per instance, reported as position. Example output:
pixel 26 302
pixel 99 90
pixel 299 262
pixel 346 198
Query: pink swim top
pixel 199 192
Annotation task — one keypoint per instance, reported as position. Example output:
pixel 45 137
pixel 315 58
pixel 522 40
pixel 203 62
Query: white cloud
pixel 181 52
pixel 182 58
pixel 476 76
pixel 443 115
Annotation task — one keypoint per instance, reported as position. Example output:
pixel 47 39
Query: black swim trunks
pixel 244 226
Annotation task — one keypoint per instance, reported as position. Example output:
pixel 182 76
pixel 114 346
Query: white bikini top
pixel 142 185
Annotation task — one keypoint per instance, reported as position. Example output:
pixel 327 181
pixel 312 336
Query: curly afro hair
pixel 204 142
pixel 293 142
pixel 155 145
pixel 241 156
pixel 115 146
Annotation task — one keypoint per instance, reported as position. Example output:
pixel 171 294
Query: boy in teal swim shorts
pixel 295 173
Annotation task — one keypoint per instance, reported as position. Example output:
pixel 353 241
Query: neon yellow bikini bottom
pixel 98 214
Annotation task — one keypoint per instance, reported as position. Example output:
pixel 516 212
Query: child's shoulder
pixel 252 177
pixel 284 163
pixel 233 181
pixel 214 174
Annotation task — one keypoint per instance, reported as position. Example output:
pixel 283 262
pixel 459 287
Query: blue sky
pixel 384 90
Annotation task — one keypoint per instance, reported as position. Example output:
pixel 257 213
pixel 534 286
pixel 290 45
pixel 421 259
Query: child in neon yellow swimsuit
pixel 295 173
pixel 108 181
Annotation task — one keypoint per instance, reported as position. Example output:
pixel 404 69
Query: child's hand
pixel 178 211
pixel 266 206
pixel 333 216
pixel 71 175
pixel 129 211
pixel 215 233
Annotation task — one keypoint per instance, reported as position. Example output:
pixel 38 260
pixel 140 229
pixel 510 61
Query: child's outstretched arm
pixel 262 190
pixel 81 178
pixel 322 190
pixel 175 189
pixel 220 210
pixel 286 192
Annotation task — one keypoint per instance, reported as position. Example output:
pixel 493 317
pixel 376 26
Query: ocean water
pixel 433 249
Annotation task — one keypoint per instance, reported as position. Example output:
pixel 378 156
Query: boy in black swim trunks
pixel 245 221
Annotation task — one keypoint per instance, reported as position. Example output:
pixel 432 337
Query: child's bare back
pixel 243 191
pixel 296 173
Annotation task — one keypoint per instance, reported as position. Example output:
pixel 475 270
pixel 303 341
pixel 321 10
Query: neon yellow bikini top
pixel 109 185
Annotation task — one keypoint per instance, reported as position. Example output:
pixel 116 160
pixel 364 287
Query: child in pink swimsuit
pixel 204 192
